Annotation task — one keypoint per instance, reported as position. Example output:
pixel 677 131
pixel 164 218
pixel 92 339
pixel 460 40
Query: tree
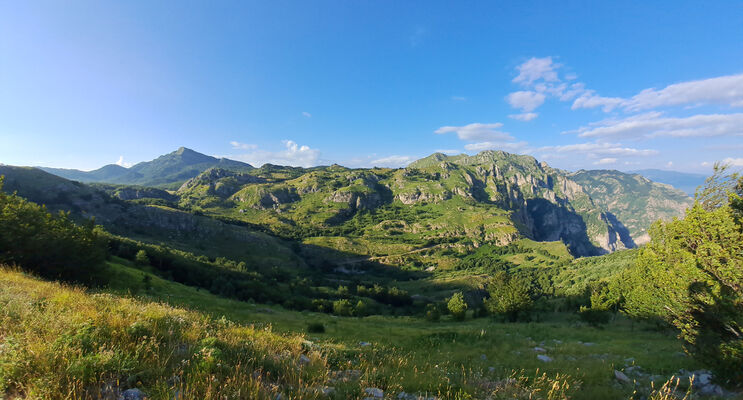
pixel 691 275
pixel 343 307
pixel 141 258
pixel 361 309
pixel 457 306
pixel 509 295
pixel 52 246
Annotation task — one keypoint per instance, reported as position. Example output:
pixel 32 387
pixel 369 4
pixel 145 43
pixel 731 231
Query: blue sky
pixel 617 85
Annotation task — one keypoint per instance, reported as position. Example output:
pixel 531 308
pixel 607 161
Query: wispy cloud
pixel 535 69
pixel 595 150
pixel 122 163
pixel 476 131
pixel 243 146
pixel 485 137
pixel 306 114
pixel 605 161
pixel 293 154
pixel 392 161
pixel 459 98
pixel 654 124
pixel 524 116
pixel 734 162
pixel 525 100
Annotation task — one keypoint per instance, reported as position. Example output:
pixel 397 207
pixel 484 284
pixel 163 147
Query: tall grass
pixel 59 342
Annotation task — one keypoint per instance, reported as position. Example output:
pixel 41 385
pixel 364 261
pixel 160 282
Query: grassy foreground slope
pixel 58 342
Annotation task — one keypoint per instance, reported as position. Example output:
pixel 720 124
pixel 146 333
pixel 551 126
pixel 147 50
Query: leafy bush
pixel 343 308
pixel 691 275
pixel 52 246
pixel 457 306
pixel 141 258
pixel 509 295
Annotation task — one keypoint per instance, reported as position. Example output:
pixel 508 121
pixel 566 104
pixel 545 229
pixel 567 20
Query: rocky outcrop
pixel 357 200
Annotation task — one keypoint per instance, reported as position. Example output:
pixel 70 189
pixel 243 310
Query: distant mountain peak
pixel 185 150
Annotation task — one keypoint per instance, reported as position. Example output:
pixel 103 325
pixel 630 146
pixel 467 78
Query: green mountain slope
pixel 493 197
pixel 632 199
pixel 106 173
pixel 169 170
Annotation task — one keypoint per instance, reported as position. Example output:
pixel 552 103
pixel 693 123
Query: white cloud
pixel 605 161
pixel 655 124
pixel 393 161
pixel 448 151
pixel 306 114
pixel 589 99
pixel 523 116
pixel 121 162
pixel 725 90
pixel 459 98
pixel 535 69
pixel 734 162
pixel 597 150
pixel 293 154
pixel 243 146
pixel 525 100
pixel 476 131
pixel 513 147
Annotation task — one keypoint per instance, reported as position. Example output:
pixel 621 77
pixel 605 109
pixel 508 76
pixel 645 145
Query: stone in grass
pixel 303 359
pixel 364 344
pixel 132 394
pixel 540 349
pixel 711 390
pixel 375 393
pixel 483 357
pixel 544 358
pixel 621 377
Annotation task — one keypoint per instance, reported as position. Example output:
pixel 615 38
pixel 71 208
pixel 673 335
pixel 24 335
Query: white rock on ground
pixel 621 377
pixel 376 393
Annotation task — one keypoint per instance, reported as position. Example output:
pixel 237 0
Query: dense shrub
pixel 457 306
pixel 509 296
pixel 691 275
pixel 52 246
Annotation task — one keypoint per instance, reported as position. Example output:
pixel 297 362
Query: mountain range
pixel 449 202
pixel 163 171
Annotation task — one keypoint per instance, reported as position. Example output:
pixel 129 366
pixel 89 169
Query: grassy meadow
pixel 171 340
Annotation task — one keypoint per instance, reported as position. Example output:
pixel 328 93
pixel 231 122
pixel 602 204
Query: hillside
pixel 165 171
pixel 633 199
pixel 165 340
pixel 492 197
